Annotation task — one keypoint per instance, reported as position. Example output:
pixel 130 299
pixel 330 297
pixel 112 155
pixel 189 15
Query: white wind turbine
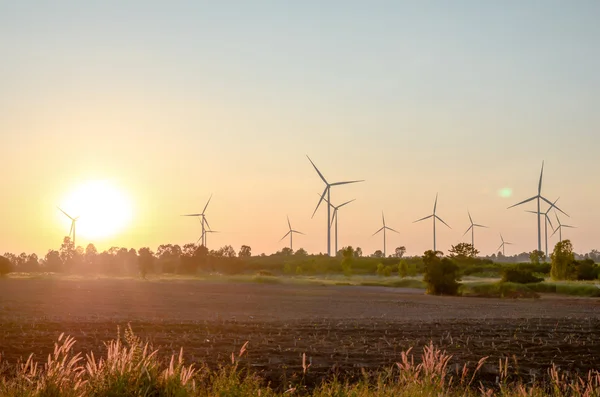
pixel 546 222
pixel 472 229
pixel 335 218
pixel 539 199
pixel 503 244
pixel 73 225
pixel 203 222
pixel 559 228
pixel 291 234
pixel 327 192
pixel 434 216
pixel 384 228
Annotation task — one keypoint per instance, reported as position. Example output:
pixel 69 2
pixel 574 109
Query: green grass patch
pixel 395 283
pixel 497 290
pixel 571 289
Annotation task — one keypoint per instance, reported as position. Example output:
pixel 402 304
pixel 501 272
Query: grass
pixel 567 288
pixel 130 367
pixel 497 290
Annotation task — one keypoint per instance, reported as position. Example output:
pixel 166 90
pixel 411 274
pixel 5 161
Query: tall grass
pixel 130 367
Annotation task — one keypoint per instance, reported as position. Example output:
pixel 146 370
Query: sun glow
pixel 102 210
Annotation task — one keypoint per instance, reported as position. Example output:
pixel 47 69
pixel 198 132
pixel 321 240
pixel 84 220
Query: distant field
pixel 345 328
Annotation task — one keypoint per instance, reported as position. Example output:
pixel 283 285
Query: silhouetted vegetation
pixel 520 275
pixel 5 266
pixel 441 274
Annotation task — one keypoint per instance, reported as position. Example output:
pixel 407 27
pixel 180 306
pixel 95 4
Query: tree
pixel 226 251
pixel 463 251
pixel 5 266
pixel 348 254
pixel 53 261
pixel 245 251
pixel 377 254
pixel 400 251
pixel 358 252
pixel 537 257
pixel 403 268
pixel 441 274
pixel 32 264
pixel 562 261
pixel 145 261
pixel 301 252
pixel 286 251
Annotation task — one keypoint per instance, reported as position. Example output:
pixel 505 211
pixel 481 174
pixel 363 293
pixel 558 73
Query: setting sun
pixel 101 210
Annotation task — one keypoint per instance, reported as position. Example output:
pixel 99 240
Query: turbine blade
pixel 508 243
pixel 552 204
pixel 470 227
pixel 287 234
pixel 289 224
pixel 435 204
pixel 296 231
pixel 68 216
pixel 569 226
pixel 382 218
pixel 333 217
pixel 541 175
pixel 393 230
pixel 533 212
pixel 316 169
pixel 476 225
pixel 498 249
pixel 549 221
pixel 377 231
pixel 555 231
pixel 501 238
pixel 206 221
pixel 206 206
pixel 192 215
pixel 524 201
pixel 422 219
pixel 72 227
pixel 470 219
pixel 347 202
pixel 321 199
pixel 557 220
pixel 346 182
pixel 441 220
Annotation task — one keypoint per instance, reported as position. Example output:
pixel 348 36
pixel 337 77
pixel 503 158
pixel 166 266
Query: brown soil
pixel 341 329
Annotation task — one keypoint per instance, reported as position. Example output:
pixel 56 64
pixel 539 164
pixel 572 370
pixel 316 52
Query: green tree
pixel 145 261
pixel 377 254
pixel 5 266
pixel 536 257
pixel 563 259
pixel 348 254
pixel 441 274
pixel 358 252
pixel 400 251
pixel 462 252
pixel 245 251
pixel 403 268
pixel 301 252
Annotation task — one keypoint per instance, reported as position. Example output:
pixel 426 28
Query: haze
pixel 171 102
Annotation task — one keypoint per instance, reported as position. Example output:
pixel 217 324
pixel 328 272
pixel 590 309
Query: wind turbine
pixel 203 221
pixel 546 222
pixel 384 228
pixel 291 234
pixel 73 225
pixel 335 217
pixel 472 229
pixel 559 228
pixel 327 192
pixel 503 244
pixel 539 199
pixel 204 235
pixel 434 216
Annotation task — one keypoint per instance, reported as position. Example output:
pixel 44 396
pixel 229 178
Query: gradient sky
pixel 173 101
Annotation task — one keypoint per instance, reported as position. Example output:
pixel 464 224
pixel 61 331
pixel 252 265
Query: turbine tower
pixel 472 229
pixel 546 222
pixel 384 228
pixel 539 199
pixel 503 244
pixel 434 216
pixel 203 222
pixel 291 234
pixel 204 236
pixel 335 218
pixel 73 225
pixel 559 228
pixel 327 192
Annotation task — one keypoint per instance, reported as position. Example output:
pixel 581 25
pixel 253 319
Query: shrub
pixel 562 261
pixel 516 274
pixel 403 269
pixel 5 266
pixel 441 274
pixel 586 269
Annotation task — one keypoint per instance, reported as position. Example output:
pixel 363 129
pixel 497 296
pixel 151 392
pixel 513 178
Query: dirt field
pixel 341 329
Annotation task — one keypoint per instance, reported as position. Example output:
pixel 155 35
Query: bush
pixel 516 274
pixel 441 274
pixel 563 261
pixel 5 266
pixel 497 290
pixel 586 269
